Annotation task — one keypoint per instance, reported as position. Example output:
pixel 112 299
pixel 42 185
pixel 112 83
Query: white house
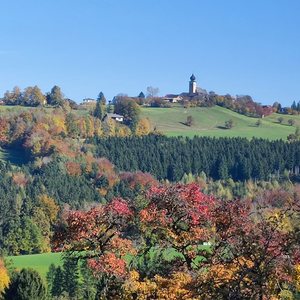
pixel 88 101
pixel 115 117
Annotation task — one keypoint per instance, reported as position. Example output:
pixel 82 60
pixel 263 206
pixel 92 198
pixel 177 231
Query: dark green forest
pixel 171 158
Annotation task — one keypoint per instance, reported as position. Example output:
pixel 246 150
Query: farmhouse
pixel 172 98
pixel 116 117
pixel 88 101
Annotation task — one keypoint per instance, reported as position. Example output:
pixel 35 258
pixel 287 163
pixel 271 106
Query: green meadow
pixel 210 122
pixel 41 262
pixel 38 262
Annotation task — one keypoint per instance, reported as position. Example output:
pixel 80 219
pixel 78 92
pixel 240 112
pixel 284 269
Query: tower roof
pixel 193 78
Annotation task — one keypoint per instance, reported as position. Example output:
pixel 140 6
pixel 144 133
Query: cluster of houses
pixel 194 91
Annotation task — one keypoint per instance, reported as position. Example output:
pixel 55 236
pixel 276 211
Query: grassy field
pixel 210 122
pixel 38 262
pixel 41 262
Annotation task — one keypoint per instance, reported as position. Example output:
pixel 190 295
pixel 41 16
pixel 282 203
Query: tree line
pixel 218 158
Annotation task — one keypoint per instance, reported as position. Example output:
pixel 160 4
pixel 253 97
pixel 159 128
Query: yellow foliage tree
pixel 164 288
pixel 141 289
pixel 49 207
pixel 174 287
pixel 123 131
pixel 297 277
pixel 143 127
pixel 4 278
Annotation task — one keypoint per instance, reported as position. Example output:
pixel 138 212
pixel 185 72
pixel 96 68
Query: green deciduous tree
pixel 189 121
pixel 291 122
pixel 280 120
pixel 55 97
pixel 128 109
pixel 229 124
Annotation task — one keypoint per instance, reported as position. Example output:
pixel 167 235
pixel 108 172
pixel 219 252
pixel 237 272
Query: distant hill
pixel 209 121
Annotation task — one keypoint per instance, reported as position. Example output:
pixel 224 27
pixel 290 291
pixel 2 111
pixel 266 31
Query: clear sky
pixel 87 46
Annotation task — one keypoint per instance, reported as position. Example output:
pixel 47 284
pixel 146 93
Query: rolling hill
pixel 210 122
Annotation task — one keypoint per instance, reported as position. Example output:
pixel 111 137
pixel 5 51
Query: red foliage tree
pixel 178 217
pixel 97 234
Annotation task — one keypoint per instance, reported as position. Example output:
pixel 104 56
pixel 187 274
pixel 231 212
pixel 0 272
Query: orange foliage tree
pixel 4 278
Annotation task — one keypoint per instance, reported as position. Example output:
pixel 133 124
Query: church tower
pixel 192 85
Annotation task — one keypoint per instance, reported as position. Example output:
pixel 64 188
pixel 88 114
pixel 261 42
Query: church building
pixel 192 85
pixel 194 92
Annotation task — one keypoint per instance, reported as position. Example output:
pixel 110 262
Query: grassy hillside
pixel 210 122
pixel 38 262
pixel 207 122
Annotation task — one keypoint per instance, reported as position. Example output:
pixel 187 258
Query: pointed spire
pixel 193 78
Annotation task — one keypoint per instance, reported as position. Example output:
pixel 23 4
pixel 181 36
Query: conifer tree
pixel 71 276
pixel 294 106
pixel 58 282
pixel 101 98
pixel 100 107
pixel 89 282
pixel 50 278
pixel 26 285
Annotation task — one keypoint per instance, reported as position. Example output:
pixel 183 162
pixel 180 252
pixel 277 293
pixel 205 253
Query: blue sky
pixel 87 46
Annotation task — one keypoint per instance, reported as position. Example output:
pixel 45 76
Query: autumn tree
pixel 128 109
pixel 97 232
pixel 252 252
pixel 14 97
pixel 181 243
pixel 98 236
pixel 4 277
pixel 33 96
pixel 143 127
pixel 178 217
pixel 4 130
